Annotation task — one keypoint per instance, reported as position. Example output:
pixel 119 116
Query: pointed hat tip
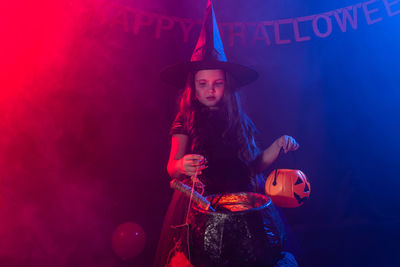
pixel 209 45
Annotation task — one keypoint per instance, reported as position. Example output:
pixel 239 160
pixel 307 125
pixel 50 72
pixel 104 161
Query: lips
pixel 210 98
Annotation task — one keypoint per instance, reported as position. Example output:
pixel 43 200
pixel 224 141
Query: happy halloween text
pixel 282 31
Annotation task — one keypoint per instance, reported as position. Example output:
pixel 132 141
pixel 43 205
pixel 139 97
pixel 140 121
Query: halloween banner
pixel 272 32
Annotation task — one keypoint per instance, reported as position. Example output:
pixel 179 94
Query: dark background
pixel 84 126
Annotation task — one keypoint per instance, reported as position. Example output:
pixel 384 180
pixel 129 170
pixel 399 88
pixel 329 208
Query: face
pixel 210 86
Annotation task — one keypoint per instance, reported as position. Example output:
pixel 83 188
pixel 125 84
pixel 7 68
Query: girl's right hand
pixel 192 164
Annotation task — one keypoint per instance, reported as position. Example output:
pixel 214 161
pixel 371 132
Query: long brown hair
pixel 236 121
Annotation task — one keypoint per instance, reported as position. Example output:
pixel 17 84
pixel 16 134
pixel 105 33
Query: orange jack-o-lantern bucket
pixel 287 188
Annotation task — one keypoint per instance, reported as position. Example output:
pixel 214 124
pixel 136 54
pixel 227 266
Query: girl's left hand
pixel 287 143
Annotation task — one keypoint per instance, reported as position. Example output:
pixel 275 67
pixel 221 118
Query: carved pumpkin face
pixel 287 188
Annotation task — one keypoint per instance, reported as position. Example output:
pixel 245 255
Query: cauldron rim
pixel 267 204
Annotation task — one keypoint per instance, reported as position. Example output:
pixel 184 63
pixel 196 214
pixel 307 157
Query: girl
pixel 212 140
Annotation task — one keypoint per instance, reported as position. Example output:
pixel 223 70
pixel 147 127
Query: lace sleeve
pixel 179 125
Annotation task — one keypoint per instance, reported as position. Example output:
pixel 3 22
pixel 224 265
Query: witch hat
pixel 208 54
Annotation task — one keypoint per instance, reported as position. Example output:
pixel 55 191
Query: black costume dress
pixel 226 173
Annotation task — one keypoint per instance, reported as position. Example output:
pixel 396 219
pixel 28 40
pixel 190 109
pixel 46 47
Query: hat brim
pixel 176 75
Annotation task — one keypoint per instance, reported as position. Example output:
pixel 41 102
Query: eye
pixel 219 83
pixel 202 84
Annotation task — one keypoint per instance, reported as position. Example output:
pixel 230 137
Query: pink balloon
pixel 128 240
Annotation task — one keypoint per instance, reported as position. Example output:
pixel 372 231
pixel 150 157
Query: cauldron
pixel 245 230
